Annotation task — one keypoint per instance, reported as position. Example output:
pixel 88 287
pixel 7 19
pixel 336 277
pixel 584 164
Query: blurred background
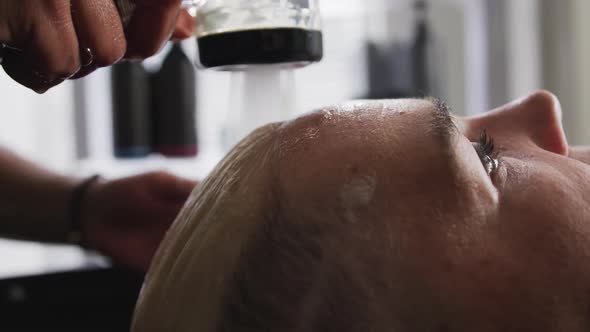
pixel 474 54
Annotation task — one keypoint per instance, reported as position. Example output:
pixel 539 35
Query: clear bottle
pixel 234 34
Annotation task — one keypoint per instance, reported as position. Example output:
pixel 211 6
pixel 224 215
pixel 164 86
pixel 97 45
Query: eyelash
pixel 486 151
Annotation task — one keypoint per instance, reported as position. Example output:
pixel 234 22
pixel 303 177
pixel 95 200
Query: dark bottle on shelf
pixel 174 106
pixel 131 110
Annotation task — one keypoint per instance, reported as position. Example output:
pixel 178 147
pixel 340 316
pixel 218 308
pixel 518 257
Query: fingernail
pixel 41 90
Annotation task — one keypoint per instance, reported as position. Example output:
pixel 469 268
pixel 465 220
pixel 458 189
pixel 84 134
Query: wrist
pixel 78 213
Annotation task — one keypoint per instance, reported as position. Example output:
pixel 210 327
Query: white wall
pixel 566 62
pixel 524 47
pixel 580 111
pixel 37 126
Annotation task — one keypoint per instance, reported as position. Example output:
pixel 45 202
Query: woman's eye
pixel 485 150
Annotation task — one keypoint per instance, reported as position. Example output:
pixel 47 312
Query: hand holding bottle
pixel 46 42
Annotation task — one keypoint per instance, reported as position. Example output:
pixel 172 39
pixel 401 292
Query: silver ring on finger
pixel 86 56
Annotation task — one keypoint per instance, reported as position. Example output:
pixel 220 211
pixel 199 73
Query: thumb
pixel 185 26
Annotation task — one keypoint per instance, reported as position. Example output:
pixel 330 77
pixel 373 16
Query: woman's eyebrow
pixel 443 123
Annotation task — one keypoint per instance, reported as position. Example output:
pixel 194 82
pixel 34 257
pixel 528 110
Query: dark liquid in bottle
pixel 260 46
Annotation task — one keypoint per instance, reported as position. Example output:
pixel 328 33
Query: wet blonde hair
pixel 186 284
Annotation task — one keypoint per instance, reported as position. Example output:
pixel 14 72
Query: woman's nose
pixel 535 118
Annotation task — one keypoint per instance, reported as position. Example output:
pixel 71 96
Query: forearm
pixel 33 200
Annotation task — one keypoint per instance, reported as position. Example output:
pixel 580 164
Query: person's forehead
pixel 391 139
pixel 361 115
pixel 380 108
pixel 358 128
